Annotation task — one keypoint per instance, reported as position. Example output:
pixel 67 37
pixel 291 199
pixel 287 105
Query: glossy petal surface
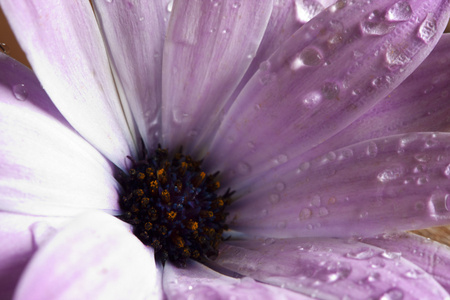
pixel 46 168
pixel 329 269
pixel 383 185
pixel 134 33
pixel 94 257
pixel 200 283
pixel 313 86
pixel 208 48
pixel 63 44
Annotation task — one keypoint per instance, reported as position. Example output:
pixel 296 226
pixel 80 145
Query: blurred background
pixel 9 43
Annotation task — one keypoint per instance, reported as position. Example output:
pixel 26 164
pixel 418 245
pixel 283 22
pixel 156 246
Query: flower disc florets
pixel 173 207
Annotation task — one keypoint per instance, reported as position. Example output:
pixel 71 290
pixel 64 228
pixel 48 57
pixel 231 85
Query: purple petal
pixel 46 168
pixel 65 48
pixel 329 73
pixel 420 103
pixel 430 256
pixel 200 283
pixel 208 48
pixel 383 185
pixel 20 236
pixel 137 56
pixel 94 257
pixel 329 269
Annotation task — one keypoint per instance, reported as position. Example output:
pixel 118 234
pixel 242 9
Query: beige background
pixel 441 234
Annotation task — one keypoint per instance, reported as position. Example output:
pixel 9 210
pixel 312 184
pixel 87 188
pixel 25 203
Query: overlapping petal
pixel 208 48
pixel 200 283
pixel 46 168
pixel 21 235
pixel 382 185
pixel 134 34
pixel 63 44
pixel 330 269
pixel 93 257
pixel 329 73
pixel 432 257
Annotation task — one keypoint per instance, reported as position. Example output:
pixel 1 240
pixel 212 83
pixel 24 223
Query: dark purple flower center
pixel 173 207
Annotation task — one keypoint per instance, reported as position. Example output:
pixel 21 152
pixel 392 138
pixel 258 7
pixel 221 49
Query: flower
pixel 331 134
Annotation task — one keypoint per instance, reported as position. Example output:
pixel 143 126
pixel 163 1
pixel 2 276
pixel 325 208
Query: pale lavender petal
pixel 94 257
pixel 46 168
pixel 420 103
pixel 433 257
pixel 208 48
pixel 383 185
pixel 20 237
pixel 134 33
pixel 329 73
pixel 200 283
pixel 330 269
pixel 305 10
pixel 63 44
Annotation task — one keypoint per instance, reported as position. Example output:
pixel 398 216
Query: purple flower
pixel 332 134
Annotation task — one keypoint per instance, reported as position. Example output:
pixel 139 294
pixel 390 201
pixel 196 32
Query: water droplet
pixel 377 263
pixel 20 92
pixel 422 180
pixel 330 90
pixel 420 169
pixel 316 200
pixel 373 277
pixel 236 5
pixel 391 255
pixel 109 1
pixel 4 48
pixel 305 166
pixel 265 66
pixel 439 203
pixel 345 154
pixel 274 198
pixel 307 57
pixel 169 6
pixel 376 28
pixel 372 149
pixel 395 58
pixel 269 241
pixel 281 159
pixel 312 99
pixel 306 10
pixel 361 254
pixel 400 11
pixel 422 157
pixel 225 31
pixel 141 19
pixel 427 29
pixel 329 272
pixel 392 294
pixel 243 168
pixel 280 186
pixel 447 171
pixel 305 213
pixel 305 247
pixel 415 274
pixel 323 211
pixel 390 174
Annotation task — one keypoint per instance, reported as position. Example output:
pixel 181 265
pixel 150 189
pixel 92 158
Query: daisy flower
pixel 225 150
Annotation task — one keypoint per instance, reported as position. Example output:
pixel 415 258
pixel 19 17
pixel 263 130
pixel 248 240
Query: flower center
pixel 173 207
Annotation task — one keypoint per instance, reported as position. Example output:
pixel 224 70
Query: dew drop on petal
pixel 330 90
pixel 361 254
pixel 390 174
pixel 392 294
pixel 306 10
pixel 422 157
pixel 274 198
pixel 20 92
pixel 169 6
pixel 307 57
pixel 375 28
pixel 312 99
pixel 281 159
pixel 372 149
pixel 243 168
pixel 395 58
pixel 280 186
pixel 391 255
pixel 447 171
pixel 109 1
pixel 427 29
pixel 305 213
pixel 323 211
pixel 439 204
pixel 415 274
pixel 236 5
pixel 400 11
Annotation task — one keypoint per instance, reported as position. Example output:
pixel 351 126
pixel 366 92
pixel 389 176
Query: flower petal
pixel 45 167
pixel 94 257
pixel 200 283
pixel 21 235
pixel 383 185
pixel 65 48
pixel 136 56
pixel 329 269
pixel 420 103
pixel 209 47
pixel 314 86
pixel 430 256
